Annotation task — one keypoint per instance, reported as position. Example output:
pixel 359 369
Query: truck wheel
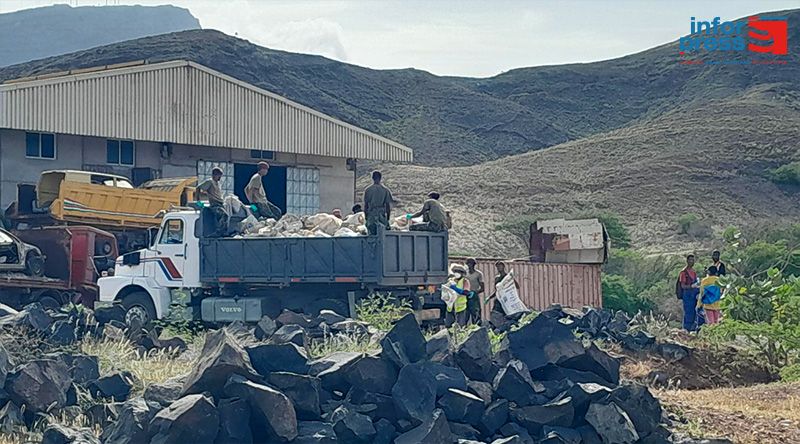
pixel 34 265
pixel 139 305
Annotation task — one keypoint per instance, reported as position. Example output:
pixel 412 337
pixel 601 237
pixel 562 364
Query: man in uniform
pixel 212 191
pixel 254 191
pixel 476 285
pixel 433 215
pixel 377 204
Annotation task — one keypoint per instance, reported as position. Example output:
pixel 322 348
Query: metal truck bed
pixel 392 258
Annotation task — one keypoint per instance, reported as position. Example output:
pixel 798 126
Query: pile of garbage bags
pixel 291 225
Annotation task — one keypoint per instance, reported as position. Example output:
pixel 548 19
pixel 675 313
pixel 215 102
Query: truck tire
pixel 34 265
pixel 139 304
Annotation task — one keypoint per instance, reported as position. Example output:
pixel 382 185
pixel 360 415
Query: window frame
pixel 40 157
pixel 119 153
pixel 162 239
pixel 262 154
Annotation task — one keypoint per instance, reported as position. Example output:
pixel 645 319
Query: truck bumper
pixel 230 309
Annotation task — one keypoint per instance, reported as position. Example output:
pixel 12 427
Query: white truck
pixel 228 279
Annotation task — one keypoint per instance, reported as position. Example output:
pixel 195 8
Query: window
pixel 302 190
pixel 120 152
pixel 263 155
pixel 40 145
pixel 110 181
pixel 173 232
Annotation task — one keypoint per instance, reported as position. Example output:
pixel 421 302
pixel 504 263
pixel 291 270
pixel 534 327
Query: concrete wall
pixel 89 153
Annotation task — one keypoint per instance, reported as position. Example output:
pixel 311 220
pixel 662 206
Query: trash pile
pixel 290 225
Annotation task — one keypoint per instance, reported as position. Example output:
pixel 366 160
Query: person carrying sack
pixel 458 284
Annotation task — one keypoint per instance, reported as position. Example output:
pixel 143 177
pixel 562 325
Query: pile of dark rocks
pixel 258 385
pixel 544 385
pixel 616 326
pixel 68 326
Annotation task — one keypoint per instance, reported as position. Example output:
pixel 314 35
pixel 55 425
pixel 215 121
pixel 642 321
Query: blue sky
pixel 463 38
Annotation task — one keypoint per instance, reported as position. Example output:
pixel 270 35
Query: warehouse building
pixel 179 119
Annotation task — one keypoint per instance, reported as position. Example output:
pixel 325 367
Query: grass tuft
pixel 156 366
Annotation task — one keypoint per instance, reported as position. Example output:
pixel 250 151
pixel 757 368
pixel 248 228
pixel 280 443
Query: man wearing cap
pixel 254 191
pixel 433 215
pixel 458 282
pixel 212 191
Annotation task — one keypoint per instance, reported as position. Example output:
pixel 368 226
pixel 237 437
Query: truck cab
pixel 144 279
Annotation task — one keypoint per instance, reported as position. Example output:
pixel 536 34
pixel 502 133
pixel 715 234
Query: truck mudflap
pixel 231 309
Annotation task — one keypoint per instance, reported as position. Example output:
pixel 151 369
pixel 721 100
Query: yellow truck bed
pixel 108 200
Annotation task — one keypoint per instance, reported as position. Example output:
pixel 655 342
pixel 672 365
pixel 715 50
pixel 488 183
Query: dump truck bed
pixel 78 197
pixel 393 258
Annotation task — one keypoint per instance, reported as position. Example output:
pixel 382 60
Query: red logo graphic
pixel 771 32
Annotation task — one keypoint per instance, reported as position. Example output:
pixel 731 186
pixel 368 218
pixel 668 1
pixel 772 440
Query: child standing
pixel 710 296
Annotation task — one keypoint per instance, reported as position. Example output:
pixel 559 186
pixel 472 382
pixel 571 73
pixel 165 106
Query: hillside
pixel 32 34
pixel 458 121
pixel 710 160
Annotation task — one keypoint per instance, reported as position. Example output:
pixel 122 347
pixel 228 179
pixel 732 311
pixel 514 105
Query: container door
pixel 170 259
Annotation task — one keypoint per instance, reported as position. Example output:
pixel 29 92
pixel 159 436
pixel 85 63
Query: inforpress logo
pixel 771 31
pixel 764 35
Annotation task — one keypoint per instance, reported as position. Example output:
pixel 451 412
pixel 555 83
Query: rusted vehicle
pixel 74 258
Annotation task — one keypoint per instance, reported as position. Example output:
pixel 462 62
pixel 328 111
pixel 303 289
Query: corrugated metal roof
pixel 183 102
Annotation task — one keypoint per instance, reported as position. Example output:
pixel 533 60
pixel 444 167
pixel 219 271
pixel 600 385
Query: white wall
pixel 78 152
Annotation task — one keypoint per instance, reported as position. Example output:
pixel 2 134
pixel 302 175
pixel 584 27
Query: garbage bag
pixel 324 222
pixel 509 297
pixel 346 232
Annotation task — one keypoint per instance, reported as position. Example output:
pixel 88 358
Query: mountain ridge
pixel 35 33
pixel 453 120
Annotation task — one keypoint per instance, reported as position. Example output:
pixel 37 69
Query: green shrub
pixel 618 294
pixel 731 235
pixel 643 272
pixel 381 310
pixel 788 174
pixel 760 256
pixel 778 344
pixel 693 225
pixel 791 373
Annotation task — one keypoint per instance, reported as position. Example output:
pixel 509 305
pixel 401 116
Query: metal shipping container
pixel 571 285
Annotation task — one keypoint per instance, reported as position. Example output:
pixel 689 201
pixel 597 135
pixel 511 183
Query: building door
pixel 274 183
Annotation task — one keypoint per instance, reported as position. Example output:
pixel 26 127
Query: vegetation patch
pixel 788 174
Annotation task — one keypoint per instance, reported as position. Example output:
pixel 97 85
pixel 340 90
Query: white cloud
pixel 313 36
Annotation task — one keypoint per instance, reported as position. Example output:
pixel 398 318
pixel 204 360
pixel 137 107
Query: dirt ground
pixel 761 414
pixel 719 392
pixel 704 369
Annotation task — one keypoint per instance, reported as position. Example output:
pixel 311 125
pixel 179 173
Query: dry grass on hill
pixel 711 161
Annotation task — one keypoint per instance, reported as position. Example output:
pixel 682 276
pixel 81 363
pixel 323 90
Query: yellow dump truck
pixel 105 201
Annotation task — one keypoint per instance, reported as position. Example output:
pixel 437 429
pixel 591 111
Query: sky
pixel 459 38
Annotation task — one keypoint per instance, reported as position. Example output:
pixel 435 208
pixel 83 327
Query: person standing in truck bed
pixel 211 189
pixel 377 204
pixel 257 196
